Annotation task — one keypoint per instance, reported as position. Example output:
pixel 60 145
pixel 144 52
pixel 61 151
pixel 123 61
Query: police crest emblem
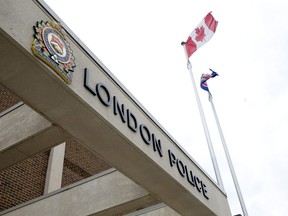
pixel 50 46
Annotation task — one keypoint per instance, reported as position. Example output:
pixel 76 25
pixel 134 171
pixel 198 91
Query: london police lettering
pixel 149 138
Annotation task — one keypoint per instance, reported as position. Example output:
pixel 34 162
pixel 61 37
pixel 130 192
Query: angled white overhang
pixel 25 133
pixel 91 196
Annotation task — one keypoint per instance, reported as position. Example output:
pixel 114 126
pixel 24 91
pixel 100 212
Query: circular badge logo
pixel 51 47
pixel 56 45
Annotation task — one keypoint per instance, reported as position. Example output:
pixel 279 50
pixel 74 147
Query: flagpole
pixel 236 184
pixel 209 142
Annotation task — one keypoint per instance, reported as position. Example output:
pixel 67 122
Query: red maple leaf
pixel 200 32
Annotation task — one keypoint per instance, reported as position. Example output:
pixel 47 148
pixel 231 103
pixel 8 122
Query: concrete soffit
pixel 82 198
pixel 26 134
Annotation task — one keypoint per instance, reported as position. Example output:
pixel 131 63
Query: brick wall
pixel 80 163
pixel 26 180
pixel 7 99
pixel 23 181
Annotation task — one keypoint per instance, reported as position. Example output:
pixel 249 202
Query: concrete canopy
pixel 84 117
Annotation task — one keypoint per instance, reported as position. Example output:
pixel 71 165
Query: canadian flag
pixel 201 34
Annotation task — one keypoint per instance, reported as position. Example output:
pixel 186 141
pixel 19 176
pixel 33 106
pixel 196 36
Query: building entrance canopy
pixel 100 113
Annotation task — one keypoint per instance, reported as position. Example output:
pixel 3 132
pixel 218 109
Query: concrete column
pixel 55 168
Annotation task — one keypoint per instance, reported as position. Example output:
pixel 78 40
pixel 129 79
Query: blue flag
pixel 205 77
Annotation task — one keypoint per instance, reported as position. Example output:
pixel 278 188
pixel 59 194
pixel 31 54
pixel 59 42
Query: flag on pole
pixel 201 34
pixel 205 77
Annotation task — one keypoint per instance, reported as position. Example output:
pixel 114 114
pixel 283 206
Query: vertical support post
pixel 55 168
pixel 236 184
pixel 207 134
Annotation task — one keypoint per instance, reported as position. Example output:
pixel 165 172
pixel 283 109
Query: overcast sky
pixel 140 43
